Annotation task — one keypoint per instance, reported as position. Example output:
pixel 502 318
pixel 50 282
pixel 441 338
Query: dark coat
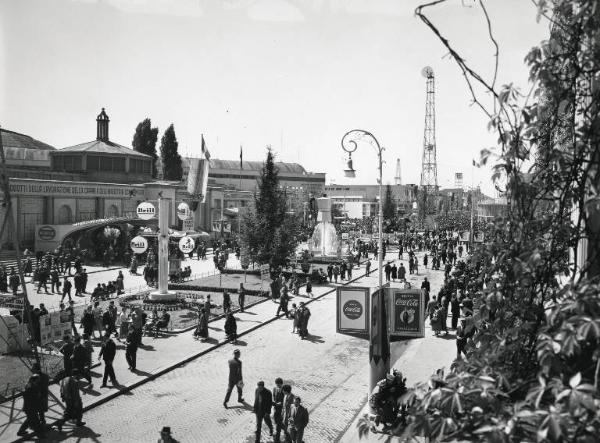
pixel 108 350
pixel 263 400
pixel 298 417
pixel 235 370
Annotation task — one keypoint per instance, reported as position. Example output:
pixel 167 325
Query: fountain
pixel 324 242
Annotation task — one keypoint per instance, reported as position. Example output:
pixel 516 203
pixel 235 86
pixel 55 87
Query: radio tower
pixel 398 176
pixel 429 181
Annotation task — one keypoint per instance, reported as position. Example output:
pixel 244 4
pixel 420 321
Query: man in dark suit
pixel 278 404
pixel 288 402
pixel 107 353
pixel 263 400
pixel 235 378
pixel 297 421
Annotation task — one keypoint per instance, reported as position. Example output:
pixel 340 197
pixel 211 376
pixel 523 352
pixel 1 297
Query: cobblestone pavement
pixel 329 371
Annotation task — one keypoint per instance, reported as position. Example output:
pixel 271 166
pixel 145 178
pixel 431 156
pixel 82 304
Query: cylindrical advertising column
pixel 163 293
pixel 163 245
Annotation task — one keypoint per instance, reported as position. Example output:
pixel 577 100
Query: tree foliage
pixel 532 370
pixel 144 141
pixel 171 160
pixel 270 233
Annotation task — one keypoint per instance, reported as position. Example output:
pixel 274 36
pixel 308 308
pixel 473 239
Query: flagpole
pixel 240 205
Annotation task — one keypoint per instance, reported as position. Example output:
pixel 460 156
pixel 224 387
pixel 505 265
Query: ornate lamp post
pixel 379 355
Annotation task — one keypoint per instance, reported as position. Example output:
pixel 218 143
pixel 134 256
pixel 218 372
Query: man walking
pixel 131 348
pixel 367 268
pixel 44 384
pixel 235 378
pixel 66 289
pixel 241 297
pixel 298 421
pixel 263 400
pixel 283 303
pixel 278 405
pixel 288 402
pixel 31 407
pixel 107 353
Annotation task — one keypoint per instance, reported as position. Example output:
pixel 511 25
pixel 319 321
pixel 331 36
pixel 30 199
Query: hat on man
pixel 166 430
pixel 236 351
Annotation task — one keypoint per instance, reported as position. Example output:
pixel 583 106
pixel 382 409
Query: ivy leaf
pixel 575 380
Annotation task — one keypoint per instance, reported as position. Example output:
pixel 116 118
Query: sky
pixel 295 75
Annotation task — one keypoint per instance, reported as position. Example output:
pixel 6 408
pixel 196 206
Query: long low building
pixel 57 193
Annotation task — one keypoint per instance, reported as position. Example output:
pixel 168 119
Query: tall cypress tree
pixel 144 141
pixel 171 160
pixel 269 233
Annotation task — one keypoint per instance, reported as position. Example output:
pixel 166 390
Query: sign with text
pixel 352 310
pixel 187 225
pixel 145 210
pixel 183 211
pixel 186 244
pixel 407 312
pixel 139 244
pixel 57 188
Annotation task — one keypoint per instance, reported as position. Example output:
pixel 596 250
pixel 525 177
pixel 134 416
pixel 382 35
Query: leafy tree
pixel 144 141
pixel 532 371
pixel 270 233
pixel 389 211
pixel 171 160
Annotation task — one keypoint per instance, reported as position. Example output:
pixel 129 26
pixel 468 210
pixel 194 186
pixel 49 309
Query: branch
pixel 496 55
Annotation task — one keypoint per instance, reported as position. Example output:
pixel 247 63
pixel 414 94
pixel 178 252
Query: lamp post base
pixel 162 296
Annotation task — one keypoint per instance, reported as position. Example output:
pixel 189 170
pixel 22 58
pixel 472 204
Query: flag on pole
pixel 241 158
pixel 204 149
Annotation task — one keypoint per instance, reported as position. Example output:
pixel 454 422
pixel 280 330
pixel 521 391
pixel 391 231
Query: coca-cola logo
pixel 352 309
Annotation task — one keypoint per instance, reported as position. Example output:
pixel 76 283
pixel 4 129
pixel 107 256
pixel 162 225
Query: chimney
pixel 102 126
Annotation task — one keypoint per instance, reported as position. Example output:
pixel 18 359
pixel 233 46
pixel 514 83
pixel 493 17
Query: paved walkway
pixel 175 388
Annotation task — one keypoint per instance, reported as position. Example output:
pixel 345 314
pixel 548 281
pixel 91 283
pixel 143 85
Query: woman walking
pixel 202 328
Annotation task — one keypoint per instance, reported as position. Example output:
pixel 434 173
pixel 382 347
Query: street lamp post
pixel 379 358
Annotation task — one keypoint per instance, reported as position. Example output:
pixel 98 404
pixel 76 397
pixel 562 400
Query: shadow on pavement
pixel 314 339
pixel 247 312
pixel 147 347
pixel 72 432
pixel 142 373
pixel 241 343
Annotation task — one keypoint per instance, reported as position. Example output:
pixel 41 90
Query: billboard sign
pixel 352 310
pixel 407 313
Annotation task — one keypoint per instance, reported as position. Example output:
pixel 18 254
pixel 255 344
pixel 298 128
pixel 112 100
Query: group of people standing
pixel 289 414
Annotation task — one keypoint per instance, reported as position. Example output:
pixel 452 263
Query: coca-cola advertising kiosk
pixel 353 309
pixel 407 314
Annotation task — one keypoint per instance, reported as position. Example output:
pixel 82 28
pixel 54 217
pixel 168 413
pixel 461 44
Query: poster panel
pixel 352 310
pixel 407 313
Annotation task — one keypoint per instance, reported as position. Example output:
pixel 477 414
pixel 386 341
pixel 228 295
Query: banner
pixel 197 179
pixel 407 314
pixel 352 309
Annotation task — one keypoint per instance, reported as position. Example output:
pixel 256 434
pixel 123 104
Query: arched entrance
pixel 65 215
pixel 112 211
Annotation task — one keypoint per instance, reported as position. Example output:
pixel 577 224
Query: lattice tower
pixel 429 179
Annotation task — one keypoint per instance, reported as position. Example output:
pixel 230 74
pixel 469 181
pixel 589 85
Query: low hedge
pixel 183 287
